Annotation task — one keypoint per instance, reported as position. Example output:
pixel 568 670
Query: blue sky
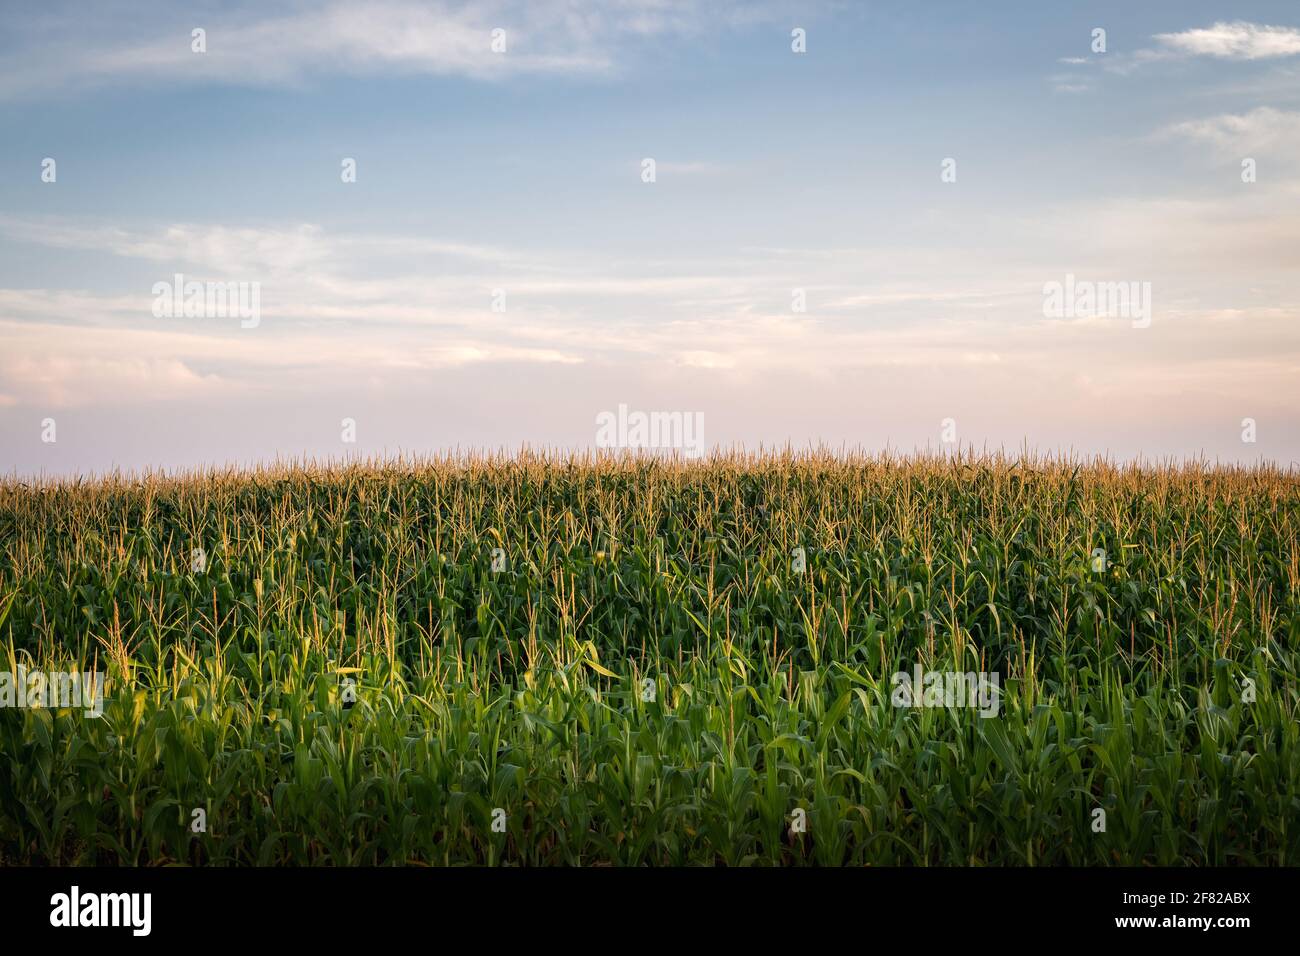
pixel 521 171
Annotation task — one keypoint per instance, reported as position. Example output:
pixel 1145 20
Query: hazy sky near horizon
pixel 781 179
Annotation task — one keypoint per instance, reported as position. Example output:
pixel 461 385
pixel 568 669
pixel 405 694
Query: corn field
pixel 548 660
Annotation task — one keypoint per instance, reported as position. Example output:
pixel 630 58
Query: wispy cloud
pixel 332 315
pixel 278 44
pixel 1070 83
pixel 1238 40
pixel 1261 129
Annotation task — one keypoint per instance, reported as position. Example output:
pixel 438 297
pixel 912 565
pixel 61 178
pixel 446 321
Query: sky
pixel 870 226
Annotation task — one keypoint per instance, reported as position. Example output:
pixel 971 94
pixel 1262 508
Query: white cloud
pixel 231 251
pixel 1262 129
pixel 245 252
pixel 74 377
pixel 287 44
pixel 1070 83
pixel 1238 40
pixel 338 307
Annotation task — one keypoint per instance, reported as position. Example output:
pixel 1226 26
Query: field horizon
pixel 471 457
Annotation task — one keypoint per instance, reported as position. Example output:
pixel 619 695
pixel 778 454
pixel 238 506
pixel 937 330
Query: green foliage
pixel 525 690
